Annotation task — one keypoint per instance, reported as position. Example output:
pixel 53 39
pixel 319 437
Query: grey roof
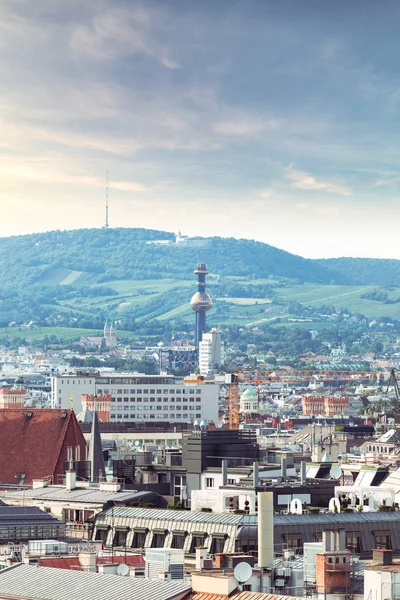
pixel 82 494
pixel 174 515
pixel 44 583
pixel 18 515
pixel 335 519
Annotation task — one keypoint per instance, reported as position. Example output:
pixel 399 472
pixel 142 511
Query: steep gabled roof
pixel 33 442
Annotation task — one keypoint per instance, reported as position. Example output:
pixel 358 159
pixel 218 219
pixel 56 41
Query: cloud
pixel 304 181
pixel 246 126
pixel 118 33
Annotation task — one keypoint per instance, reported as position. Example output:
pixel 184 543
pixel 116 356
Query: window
pixel 165 392
pixel 382 540
pixel 119 399
pixel 231 481
pixel 294 540
pixel 178 540
pixel 158 540
pixel 317 537
pixel 198 399
pixel 102 535
pixel 126 391
pixel 139 538
pixel 209 482
pixel 69 453
pixel 118 391
pixel 126 399
pixel 217 544
pixel 198 539
pixel 139 391
pixel 353 543
pixel 198 415
pixel 120 537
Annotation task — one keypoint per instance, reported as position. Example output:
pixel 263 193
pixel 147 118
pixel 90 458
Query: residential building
pixel 329 406
pixel 23 523
pixel 12 398
pixel 38 444
pixel 141 398
pixel 210 353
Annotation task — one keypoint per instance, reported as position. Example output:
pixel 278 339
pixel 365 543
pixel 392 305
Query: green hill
pixel 80 278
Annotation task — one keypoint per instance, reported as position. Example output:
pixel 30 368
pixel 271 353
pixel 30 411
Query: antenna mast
pixel 106 226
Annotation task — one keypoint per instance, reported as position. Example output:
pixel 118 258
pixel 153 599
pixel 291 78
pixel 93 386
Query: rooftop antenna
pixel 106 225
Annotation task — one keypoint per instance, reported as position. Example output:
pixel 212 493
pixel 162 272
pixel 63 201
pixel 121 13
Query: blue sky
pixel 275 120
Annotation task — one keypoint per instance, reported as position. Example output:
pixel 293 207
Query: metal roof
pixel 174 515
pixel 18 515
pixel 44 583
pixel 242 596
pixel 96 495
pixel 336 519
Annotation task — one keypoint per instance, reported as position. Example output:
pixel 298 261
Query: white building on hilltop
pixel 210 353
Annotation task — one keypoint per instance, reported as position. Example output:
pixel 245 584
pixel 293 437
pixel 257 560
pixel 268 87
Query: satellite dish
pixel 335 472
pixel 137 443
pixel 123 570
pixel 242 572
pixel 218 424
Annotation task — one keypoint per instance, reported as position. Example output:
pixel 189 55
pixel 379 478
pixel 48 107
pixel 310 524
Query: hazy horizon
pixel 255 119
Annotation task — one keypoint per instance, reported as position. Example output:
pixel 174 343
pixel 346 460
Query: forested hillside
pixel 79 278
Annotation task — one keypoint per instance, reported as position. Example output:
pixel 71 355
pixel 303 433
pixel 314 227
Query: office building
pixel 140 398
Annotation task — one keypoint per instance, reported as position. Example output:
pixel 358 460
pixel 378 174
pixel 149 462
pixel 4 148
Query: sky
pixel 274 120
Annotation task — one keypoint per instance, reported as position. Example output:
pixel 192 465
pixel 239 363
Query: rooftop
pixel 42 583
pixel 79 494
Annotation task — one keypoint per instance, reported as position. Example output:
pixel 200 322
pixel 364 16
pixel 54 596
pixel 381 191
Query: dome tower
pixel 200 302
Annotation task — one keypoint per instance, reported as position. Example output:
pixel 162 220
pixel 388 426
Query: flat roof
pixel 95 495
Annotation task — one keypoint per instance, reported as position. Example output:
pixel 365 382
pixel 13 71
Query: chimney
pixel 266 530
pixel 70 480
pixel 224 472
pixel 87 561
pixel 382 556
pixel 39 483
pixel 326 541
pixel 283 467
pixel 201 555
pixel 303 471
pixel 255 475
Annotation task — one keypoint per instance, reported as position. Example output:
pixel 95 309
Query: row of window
pixel 164 416
pixel 114 407
pixel 353 541
pixel 191 392
pixel 184 400
pixel 158 539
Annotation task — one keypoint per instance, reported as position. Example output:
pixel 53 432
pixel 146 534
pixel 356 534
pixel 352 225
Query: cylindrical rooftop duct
pixel 265 530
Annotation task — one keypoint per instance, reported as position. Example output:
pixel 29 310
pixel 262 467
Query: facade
pixel 210 353
pixel 141 398
pixel 179 357
pixel 249 402
pixel 325 405
pixel 24 523
pixel 200 302
pixel 38 444
pixel 98 404
pixel 12 398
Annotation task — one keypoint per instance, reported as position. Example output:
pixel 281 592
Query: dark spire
pixel 97 468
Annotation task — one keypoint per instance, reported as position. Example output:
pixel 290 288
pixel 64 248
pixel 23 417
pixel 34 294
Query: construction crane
pixel 260 376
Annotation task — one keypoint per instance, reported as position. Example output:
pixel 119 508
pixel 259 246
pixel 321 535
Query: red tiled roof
pixel 72 562
pixel 237 595
pixel 61 562
pixel 34 442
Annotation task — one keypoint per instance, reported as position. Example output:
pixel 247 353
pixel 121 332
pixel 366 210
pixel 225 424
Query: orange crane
pixel 260 376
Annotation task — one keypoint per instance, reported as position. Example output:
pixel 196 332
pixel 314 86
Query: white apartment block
pixel 141 397
pixel 210 353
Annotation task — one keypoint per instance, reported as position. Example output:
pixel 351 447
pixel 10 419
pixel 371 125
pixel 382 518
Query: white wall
pixel 207 408
pixel 218 500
